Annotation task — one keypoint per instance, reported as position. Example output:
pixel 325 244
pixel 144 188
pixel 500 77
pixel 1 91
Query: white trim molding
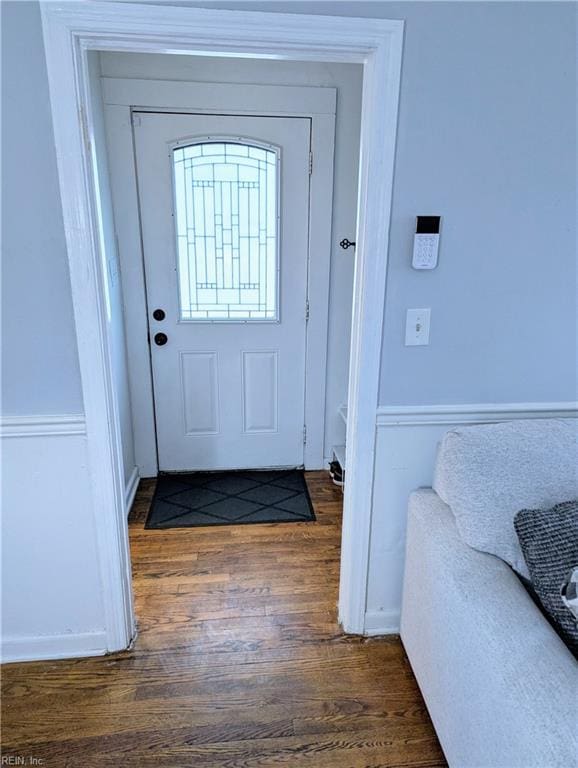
pixel 71 29
pixel 407 439
pixel 379 623
pixel 396 415
pixel 39 647
pixel 131 488
pixel 40 426
pixel 238 98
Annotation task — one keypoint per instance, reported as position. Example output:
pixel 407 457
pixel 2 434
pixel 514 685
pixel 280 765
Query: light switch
pixel 417 327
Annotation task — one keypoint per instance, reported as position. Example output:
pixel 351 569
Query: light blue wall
pixel 40 372
pixel 487 139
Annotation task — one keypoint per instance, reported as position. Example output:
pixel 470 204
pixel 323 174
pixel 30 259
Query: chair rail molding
pixel 71 29
pixel 394 415
pixel 40 426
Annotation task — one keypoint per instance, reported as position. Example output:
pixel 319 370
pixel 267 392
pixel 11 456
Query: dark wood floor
pixel 239 663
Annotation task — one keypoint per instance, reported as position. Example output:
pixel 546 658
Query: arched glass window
pixel 226 225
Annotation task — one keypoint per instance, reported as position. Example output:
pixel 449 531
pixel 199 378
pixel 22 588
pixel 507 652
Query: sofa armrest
pixel 500 685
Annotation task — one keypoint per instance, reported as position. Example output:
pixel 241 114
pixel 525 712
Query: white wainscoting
pixel 407 440
pixel 51 586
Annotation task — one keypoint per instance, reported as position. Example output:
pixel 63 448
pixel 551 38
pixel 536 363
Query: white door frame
pixel 71 29
pixel 122 97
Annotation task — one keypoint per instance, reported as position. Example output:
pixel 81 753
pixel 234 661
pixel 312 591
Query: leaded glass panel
pixel 226 225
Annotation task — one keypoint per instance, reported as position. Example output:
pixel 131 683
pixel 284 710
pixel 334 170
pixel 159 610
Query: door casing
pixel 121 98
pixel 71 30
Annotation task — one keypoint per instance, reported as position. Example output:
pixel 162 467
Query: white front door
pixel 224 205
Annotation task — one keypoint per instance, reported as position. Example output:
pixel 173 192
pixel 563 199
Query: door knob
pixel 161 339
pixel 159 314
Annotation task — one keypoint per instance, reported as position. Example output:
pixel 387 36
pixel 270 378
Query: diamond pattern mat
pixel 230 498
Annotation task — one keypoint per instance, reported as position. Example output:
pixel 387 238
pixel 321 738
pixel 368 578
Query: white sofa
pixel 500 685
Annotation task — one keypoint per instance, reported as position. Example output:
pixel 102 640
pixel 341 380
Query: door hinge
pixel 310 163
pixel 307 311
pixel 148 338
pixel 136 121
pixel 305 434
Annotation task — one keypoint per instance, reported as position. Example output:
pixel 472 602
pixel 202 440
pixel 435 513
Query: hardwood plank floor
pixel 239 663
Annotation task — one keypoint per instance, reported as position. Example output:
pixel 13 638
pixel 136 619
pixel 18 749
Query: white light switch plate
pixel 417 327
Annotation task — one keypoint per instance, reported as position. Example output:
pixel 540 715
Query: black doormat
pixel 230 498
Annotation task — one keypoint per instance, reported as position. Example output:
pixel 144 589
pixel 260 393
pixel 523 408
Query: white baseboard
pixel 382 623
pixel 131 489
pixel 45 647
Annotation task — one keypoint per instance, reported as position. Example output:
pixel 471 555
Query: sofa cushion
pixel 487 473
pixel 549 542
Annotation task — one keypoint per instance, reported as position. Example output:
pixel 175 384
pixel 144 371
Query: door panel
pixel 260 393
pixel 200 393
pixel 224 204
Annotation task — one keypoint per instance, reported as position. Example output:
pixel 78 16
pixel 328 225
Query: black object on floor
pixel 230 498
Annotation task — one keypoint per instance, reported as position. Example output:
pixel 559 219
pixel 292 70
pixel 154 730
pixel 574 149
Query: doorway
pixel 69 35
pixel 224 211
pixel 251 367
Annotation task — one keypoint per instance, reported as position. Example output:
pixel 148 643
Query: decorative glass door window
pixel 226 203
